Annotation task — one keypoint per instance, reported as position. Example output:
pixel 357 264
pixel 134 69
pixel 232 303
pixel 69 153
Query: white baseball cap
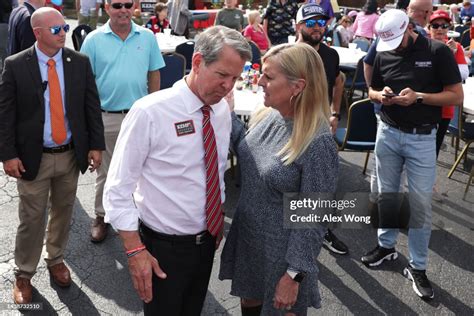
pixel 390 28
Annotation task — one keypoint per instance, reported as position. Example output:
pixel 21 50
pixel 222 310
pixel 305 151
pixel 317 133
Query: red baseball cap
pixel 440 14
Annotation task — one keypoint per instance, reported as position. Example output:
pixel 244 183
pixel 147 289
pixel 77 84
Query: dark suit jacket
pixel 22 109
pixel 20 33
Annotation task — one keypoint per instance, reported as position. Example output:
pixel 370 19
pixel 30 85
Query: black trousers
pixel 188 268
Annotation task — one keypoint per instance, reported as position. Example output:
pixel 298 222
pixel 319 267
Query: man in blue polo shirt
pixel 126 60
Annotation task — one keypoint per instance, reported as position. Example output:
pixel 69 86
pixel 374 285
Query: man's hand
pixel 286 293
pixel 333 121
pixel 141 267
pixel 95 159
pixel 384 99
pixel 406 97
pixel 452 45
pixel 13 167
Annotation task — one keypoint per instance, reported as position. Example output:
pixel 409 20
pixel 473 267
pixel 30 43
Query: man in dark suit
pixel 50 129
pixel 20 33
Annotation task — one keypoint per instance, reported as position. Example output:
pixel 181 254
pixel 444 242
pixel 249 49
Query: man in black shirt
pixel 412 78
pixel 311 24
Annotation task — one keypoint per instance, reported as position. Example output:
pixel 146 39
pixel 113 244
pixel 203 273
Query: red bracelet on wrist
pixel 142 247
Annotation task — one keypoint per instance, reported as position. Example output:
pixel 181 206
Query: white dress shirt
pixel 158 176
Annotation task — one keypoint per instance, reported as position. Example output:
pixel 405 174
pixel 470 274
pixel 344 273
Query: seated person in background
pixel 467 12
pixel 345 30
pixel 137 17
pixel 454 13
pixel 159 21
pixel 230 16
pixel 255 31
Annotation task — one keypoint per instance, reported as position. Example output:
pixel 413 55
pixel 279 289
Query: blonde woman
pixel 287 148
pixel 255 31
pixel 345 30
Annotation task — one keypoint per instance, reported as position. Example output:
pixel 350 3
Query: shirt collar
pixel 43 58
pixel 134 29
pixel 192 102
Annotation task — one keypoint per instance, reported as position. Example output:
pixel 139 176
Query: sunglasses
pixel 437 26
pixel 312 23
pixel 119 5
pixel 56 29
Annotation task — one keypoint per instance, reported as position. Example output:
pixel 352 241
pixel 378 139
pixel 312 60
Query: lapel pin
pixel 68 59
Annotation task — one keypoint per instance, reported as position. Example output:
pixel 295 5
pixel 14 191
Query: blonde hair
pixel 310 106
pixel 252 16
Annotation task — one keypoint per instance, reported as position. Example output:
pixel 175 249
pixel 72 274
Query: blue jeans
pixel 393 149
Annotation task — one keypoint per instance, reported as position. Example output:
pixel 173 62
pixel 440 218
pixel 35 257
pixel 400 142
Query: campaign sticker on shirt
pixel 184 128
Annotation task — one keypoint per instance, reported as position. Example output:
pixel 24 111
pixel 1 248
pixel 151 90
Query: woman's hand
pixel 286 293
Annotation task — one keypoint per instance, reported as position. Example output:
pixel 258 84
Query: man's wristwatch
pixel 296 275
pixel 419 98
pixel 336 115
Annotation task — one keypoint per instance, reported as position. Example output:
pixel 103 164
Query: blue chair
pixel 256 54
pixel 362 44
pixel 361 129
pixel 465 38
pixel 173 71
pixel 186 49
pixel 453 129
pixel 79 35
pixel 336 38
pixel 460 29
pixel 466 134
pixel 355 81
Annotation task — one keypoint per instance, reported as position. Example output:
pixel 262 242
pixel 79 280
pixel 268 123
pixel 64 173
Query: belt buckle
pixel 56 150
pixel 200 238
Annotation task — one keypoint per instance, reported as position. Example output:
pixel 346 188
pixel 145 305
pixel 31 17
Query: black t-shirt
pixel 331 66
pixel 427 67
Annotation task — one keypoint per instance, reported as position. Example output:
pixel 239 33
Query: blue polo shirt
pixel 121 67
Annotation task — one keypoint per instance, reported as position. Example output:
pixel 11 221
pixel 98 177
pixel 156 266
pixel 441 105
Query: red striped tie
pixel 214 216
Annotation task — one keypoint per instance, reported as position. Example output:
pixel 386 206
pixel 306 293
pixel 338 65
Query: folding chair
pixel 361 129
pixel 174 70
pixel 79 34
pixel 186 49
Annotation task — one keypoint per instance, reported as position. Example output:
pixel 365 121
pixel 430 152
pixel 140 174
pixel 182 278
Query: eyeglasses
pixel 312 23
pixel 436 26
pixel 119 5
pixel 56 29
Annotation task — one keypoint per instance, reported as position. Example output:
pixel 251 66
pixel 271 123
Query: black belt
pixel 197 239
pixel 115 112
pixel 420 130
pixel 59 149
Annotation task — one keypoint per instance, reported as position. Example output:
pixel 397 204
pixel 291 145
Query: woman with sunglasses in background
pixel 440 22
pixel 288 147
pixel 364 24
pixel 344 29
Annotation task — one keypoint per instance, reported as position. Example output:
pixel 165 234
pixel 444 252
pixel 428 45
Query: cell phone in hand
pixel 390 95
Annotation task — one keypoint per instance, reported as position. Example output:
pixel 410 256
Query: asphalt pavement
pixel 102 285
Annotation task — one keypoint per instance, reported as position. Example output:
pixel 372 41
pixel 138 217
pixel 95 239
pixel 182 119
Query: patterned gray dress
pixel 259 249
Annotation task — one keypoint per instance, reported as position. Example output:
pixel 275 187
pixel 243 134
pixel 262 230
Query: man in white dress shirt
pixel 157 191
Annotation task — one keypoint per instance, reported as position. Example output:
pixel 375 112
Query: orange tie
pixel 58 126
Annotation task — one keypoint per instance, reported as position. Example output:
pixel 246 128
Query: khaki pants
pixel 90 20
pixel 112 123
pixel 58 174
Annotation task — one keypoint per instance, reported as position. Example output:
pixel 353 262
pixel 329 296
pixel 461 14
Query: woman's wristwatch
pixel 297 276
